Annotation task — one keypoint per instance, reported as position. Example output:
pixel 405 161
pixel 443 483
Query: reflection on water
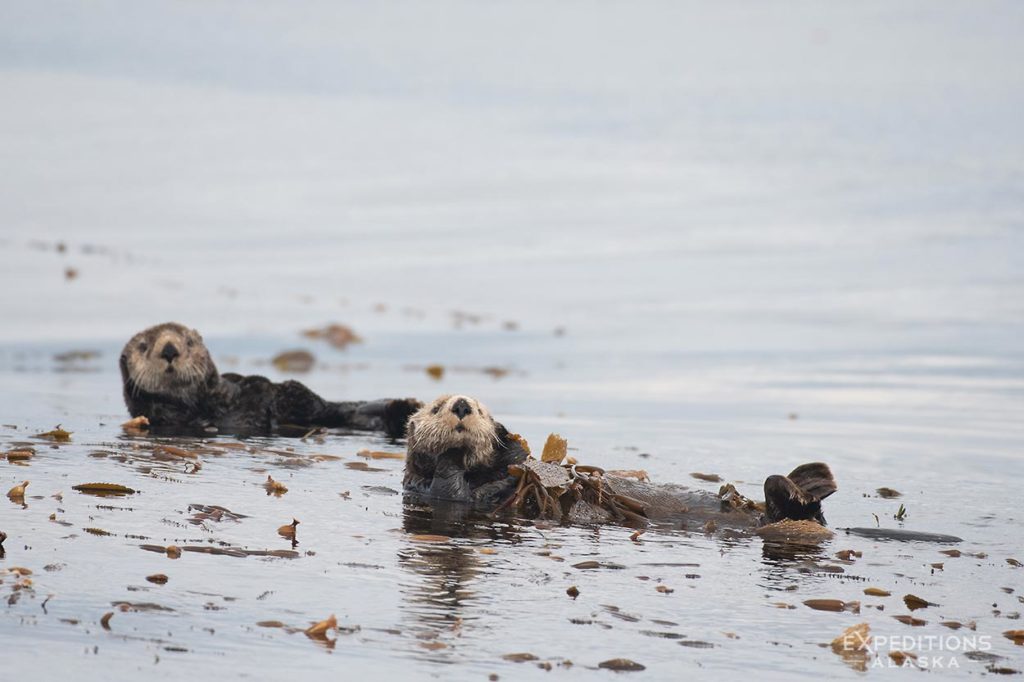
pixel 692 258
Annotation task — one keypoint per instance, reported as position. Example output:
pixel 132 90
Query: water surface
pixel 723 239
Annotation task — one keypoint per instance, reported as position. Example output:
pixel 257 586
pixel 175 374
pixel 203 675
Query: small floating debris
pixel 297 361
pixel 888 493
pixel 902 658
pixel 378 454
pixel 76 356
pixel 275 487
pixel 157 579
pixel 270 624
pixel 621 665
pixel 910 620
pixel 430 538
pixel 1015 636
pixel 914 602
pixel 58 435
pixel 103 489
pixel 876 592
pixel 833 605
pixel 589 565
pixel 125 606
pixel 573 591
pixel 288 530
pixel 853 646
pixel 520 657
pixel 17 493
pixel 338 335
pixel 363 466
pixel 136 425
pixel 435 372
pixel 105 620
pixel 710 478
pixel 212 513
pixel 20 454
pixel 319 630
pixel 555 449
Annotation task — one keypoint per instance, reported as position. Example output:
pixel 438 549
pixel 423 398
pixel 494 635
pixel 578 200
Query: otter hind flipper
pixel 799 495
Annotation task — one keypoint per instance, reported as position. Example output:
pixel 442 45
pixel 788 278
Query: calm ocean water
pixel 726 238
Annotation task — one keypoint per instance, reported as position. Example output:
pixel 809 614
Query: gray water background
pixel 702 219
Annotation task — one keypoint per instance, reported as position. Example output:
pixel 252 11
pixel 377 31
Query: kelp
pixel 549 490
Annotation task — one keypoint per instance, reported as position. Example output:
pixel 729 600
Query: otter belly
pixel 676 503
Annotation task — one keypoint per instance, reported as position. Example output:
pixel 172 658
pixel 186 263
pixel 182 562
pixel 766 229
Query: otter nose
pixel 169 352
pixel 461 408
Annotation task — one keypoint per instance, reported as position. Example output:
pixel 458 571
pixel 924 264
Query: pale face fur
pixel 168 359
pixel 438 426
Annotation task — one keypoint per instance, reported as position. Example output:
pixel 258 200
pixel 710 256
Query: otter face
pixel 167 360
pixel 454 421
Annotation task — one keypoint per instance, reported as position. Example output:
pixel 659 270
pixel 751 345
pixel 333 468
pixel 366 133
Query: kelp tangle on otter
pixel 578 493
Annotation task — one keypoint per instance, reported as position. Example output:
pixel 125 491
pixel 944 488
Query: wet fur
pixel 462 457
pixel 182 391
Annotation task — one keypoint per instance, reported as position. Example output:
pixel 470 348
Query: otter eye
pixel 436 409
pixel 143 347
pixel 190 343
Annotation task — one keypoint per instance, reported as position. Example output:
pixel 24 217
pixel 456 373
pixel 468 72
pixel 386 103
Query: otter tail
pixel 799 495
pixel 389 416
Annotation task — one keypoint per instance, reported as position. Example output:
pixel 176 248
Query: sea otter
pixel 170 379
pixel 458 452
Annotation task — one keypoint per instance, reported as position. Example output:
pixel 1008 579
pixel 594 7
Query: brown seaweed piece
pixel 338 335
pixel 294 361
pixel 550 491
pixel 103 489
pixel 58 435
pixel 555 449
pixel 17 493
pixel 136 425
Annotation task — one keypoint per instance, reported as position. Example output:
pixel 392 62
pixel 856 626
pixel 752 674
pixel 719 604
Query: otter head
pixel 454 421
pixel 168 360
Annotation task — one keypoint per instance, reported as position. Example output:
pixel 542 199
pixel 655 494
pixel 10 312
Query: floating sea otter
pixel 170 379
pixel 458 452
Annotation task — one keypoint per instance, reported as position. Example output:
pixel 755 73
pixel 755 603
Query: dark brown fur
pixel 169 377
